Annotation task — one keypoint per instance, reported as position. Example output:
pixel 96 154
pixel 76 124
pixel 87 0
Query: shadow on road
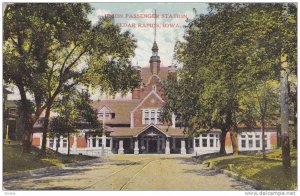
pixel 202 172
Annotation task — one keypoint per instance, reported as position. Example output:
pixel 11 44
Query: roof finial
pixel 155 26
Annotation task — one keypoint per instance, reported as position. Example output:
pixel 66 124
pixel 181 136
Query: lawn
pixel 266 172
pixel 14 161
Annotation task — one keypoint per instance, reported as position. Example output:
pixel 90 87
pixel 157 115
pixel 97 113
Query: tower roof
pixel 154 47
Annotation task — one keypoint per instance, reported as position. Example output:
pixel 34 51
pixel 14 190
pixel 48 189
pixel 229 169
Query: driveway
pixel 130 172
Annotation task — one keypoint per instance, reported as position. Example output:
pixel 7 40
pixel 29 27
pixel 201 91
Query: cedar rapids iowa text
pixel 149 25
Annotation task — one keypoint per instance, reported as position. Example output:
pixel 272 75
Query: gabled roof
pixel 147 127
pixel 151 93
pixel 104 106
pixel 121 108
pixel 132 132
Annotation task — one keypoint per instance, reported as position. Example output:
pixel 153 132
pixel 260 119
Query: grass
pixel 266 172
pixel 14 161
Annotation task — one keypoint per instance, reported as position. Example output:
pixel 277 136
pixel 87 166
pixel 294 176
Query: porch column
pixel 111 143
pixel 75 143
pixel 136 146
pixel 183 149
pixel 91 141
pixel 104 141
pixel 167 150
pixel 97 141
pixel 121 149
pixel 54 142
pixel 61 142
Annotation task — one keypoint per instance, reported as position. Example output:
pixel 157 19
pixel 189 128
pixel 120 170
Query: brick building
pixel 133 126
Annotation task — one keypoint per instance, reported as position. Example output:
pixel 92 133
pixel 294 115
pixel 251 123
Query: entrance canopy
pixel 151 131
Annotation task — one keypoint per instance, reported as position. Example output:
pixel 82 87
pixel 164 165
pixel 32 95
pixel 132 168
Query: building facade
pixel 133 126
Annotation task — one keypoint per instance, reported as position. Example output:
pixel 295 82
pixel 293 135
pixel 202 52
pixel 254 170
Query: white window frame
pixel 156 113
pixel 253 136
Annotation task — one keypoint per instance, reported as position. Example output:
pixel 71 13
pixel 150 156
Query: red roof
pixel 121 108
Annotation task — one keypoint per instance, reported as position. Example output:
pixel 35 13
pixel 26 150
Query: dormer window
pixel 108 116
pixel 154 88
pixel 105 113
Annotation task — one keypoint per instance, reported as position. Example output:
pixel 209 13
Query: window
pixel 204 142
pixel 151 116
pixel 211 142
pixel 217 142
pixel 51 143
pixel 101 114
pixel 158 116
pixel 266 143
pixel 257 143
pixel 100 142
pixel 211 135
pixel 257 136
pixel 12 110
pixel 250 136
pixel 107 142
pixel 154 88
pixel 243 143
pixel 197 142
pixel 243 136
pixel 65 142
pixel 250 143
pixel 146 117
pixel 94 142
pixel 204 135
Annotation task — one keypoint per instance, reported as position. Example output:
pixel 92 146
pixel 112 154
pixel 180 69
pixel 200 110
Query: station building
pixel 133 126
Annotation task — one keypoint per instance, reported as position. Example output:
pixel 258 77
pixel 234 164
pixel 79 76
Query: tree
pixel 261 104
pixel 73 108
pixel 226 52
pixel 50 48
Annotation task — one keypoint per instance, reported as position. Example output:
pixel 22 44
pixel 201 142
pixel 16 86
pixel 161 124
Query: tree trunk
pixel 234 140
pixel 26 145
pixel 68 143
pixel 46 123
pixel 263 137
pixel 222 142
pixel 286 160
pixel 27 120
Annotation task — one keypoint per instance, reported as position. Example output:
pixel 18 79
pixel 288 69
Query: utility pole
pixel 284 106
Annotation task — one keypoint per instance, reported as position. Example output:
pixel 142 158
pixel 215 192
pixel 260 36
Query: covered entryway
pixel 151 140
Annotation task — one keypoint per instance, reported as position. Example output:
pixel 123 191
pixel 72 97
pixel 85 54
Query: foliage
pixel 73 109
pixel 228 54
pixel 14 161
pixel 50 48
pixel 265 172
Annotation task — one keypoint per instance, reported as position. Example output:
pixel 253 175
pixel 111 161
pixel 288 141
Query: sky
pixel 170 25
pixel 166 36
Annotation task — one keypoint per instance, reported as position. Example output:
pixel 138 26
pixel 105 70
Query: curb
pixel 34 172
pixel 237 177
